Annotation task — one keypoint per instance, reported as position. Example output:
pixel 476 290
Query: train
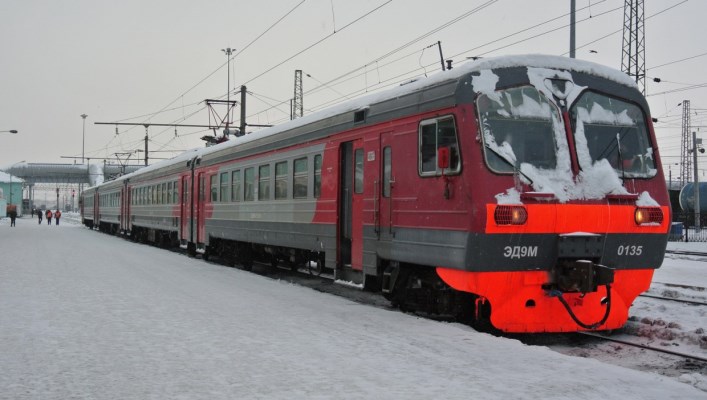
pixel 525 192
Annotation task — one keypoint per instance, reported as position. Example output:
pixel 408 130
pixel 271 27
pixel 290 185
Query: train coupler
pixel 580 276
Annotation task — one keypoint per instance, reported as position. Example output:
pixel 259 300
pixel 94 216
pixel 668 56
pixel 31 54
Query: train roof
pixel 364 102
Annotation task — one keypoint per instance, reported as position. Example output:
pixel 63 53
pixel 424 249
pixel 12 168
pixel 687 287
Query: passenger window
pixel 300 179
pixel 435 134
pixel 214 188
pixel 236 185
pixel 223 195
pixel 317 176
pixel 281 180
pixel 264 182
pixel 249 184
pixel 387 171
pixel 358 171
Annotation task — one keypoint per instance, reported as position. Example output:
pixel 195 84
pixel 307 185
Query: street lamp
pixel 13 131
pixel 83 137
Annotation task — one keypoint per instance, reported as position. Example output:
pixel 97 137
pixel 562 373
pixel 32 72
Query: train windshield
pixel 518 127
pixel 606 128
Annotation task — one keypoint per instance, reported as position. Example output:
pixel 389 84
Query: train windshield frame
pixel 615 130
pixel 518 125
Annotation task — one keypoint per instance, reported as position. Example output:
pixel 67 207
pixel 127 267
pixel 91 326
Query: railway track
pixel 685 301
pixel 687 253
pixel 642 346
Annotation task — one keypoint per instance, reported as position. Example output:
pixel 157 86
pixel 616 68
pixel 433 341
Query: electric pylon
pixel 633 60
pixel 297 106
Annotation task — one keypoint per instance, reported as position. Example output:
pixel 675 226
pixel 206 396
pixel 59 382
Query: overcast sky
pixel 126 61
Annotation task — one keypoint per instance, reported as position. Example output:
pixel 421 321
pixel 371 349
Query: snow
pixel 88 316
pixel 596 179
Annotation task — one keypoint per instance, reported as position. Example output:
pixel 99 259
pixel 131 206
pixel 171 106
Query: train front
pixel 575 203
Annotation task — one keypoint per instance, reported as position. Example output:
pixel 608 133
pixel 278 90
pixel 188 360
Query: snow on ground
pixel 85 315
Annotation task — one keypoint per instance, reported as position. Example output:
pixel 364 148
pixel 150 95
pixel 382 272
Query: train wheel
pixel 315 268
pixel 191 250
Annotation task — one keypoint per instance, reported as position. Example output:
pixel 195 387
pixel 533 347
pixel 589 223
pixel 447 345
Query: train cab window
pixel 299 190
pixel 358 171
pixel 236 185
pixel 606 128
pixel 435 134
pixel 249 184
pixel 214 187
pixel 387 170
pixel 281 180
pixel 518 127
pixel 317 176
pixel 224 181
pixel 264 182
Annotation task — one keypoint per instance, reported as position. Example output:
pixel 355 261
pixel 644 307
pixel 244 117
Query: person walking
pixel 57 215
pixel 13 216
pixel 49 217
pixel 39 215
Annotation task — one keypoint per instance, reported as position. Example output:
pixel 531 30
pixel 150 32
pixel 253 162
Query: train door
pixel 351 205
pixel 124 208
pixel 184 215
pixel 200 229
pixel 96 209
pixel 384 195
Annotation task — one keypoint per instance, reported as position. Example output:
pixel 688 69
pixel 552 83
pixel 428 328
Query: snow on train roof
pixel 528 60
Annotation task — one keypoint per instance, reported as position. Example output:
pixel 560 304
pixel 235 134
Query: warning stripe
pixel 567 218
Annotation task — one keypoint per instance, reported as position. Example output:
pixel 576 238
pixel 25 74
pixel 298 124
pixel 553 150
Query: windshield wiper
pixel 509 162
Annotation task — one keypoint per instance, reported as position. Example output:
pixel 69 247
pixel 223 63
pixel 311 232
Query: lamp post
pixel 228 51
pixel 83 137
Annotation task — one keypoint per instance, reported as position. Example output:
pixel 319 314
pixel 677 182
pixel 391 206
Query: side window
pixel 435 134
pixel 223 195
pixel 358 171
pixel 236 185
pixel 159 194
pixel 299 190
pixel 387 170
pixel 169 192
pixel 164 193
pixel 175 193
pixel 264 182
pixel 249 184
pixel 317 176
pixel 214 188
pixel 281 180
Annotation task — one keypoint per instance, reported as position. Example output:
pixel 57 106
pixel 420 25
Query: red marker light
pixel 648 215
pixel 510 215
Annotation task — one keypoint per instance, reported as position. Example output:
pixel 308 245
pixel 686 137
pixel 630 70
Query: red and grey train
pixel 523 190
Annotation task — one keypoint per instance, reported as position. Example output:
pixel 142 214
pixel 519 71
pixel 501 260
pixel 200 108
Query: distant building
pixel 10 193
